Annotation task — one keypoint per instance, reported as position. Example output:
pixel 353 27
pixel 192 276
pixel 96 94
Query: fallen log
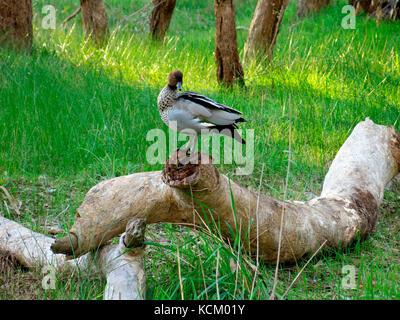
pixel 193 194
pixel 120 264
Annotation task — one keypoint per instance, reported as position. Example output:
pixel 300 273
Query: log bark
pixel 347 207
pixel 120 265
pixel 306 6
pixel 16 23
pixel 94 18
pixel 229 69
pixel 264 28
pixel 161 18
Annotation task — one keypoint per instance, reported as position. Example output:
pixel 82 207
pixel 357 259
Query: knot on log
pixel 182 171
pixel 134 234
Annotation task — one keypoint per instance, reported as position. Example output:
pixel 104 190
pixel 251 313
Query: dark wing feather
pixel 206 102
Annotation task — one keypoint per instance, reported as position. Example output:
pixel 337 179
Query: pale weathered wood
pixel 124 271
pixel 347 208
pixel 120 265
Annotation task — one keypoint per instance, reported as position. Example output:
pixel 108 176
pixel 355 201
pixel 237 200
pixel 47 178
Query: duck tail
pixel 230 131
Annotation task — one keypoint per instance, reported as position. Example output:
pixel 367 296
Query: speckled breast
pixel 165 101
pixel 164 115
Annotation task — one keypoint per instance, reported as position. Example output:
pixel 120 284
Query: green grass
pixel 73 115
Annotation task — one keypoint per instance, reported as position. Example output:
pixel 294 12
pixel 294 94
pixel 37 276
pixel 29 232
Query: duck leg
pixel 187 147
pixel 193 148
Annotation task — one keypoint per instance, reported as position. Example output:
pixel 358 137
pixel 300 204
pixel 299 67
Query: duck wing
pixel 206 102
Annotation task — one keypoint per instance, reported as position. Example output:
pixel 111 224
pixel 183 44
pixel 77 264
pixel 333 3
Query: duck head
pixel 175 79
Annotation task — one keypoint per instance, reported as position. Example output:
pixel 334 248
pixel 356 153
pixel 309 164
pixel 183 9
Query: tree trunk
pixel 161 17
pixel 306 6
pixel 228 64
pixel 94 18
pixel 264 28
pixel 380 9
pixel 16 23
pixel 367 5
pixel 357 5
pixel 347 207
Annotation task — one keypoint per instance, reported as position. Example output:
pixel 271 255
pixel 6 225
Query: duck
pixel 193 113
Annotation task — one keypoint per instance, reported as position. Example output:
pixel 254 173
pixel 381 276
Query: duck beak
pixel 179 86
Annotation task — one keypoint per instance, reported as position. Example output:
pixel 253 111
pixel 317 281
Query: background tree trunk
pixel 380 9
pixel 229 68
pixel 264 27
pixel 356 4
pixel 94 19
pixel 306 6
pixel 16 22
pixel 367 5
pixel 161 17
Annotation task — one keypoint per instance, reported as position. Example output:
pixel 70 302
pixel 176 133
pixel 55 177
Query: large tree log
pixel 306 6
pixel 161 17
pixel 16 23
pixel 347 208
pixel 94 18
pixel 120 265
pixel 227 59
pixel 264 28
